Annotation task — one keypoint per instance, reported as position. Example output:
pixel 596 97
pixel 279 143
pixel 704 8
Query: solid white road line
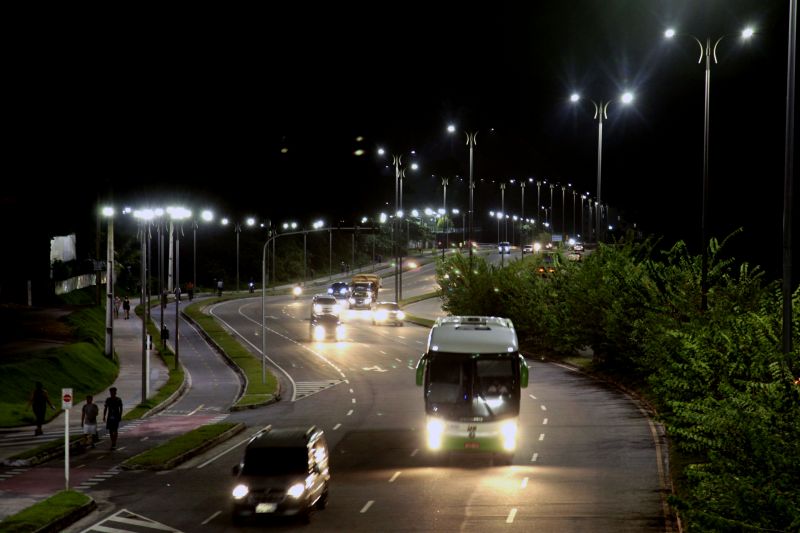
pixel 228 450
pixel 198 408
pixel 391 480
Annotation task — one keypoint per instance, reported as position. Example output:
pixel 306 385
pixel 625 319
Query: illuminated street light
pixel 108 212
pixel 600 114
pixel 709 52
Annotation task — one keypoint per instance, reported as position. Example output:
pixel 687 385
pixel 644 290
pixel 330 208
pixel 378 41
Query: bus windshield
pixel 469 386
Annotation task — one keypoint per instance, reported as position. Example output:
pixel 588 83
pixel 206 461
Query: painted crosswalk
pixel 125 520
pixel 307 388
pixel 98 478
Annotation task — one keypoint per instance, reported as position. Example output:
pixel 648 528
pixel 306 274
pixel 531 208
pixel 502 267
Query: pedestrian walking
pixel 39 401
pixel 117 304
pixel 190 290
pixel 112 414
pixel 126 306
pixel 89 414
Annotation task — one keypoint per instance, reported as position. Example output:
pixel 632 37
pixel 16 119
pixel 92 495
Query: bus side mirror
pixel 523 372
pixel 421 371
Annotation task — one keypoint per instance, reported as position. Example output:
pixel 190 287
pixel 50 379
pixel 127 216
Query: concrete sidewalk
pixel 128 347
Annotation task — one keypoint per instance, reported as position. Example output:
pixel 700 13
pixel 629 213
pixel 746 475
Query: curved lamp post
pixel 600 114
pixel 709 53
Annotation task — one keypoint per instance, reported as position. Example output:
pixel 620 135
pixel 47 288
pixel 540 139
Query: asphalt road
pixel 587 459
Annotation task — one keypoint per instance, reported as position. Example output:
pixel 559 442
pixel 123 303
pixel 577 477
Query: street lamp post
pixel 539 202
pixel 563 224
pixel 445 181
pixel 574 195
pixel 503 210
pixel 208 216
pixel 108 212
pixel 600 114
pixel 522 217
pixel 179 214
pixel 708 52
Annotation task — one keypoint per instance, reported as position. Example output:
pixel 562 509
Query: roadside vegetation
pixel 727 395
pixel 77 362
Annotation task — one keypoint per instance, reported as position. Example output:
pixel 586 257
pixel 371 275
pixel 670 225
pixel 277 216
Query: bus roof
pixel 473 334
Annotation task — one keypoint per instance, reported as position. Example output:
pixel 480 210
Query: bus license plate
pixel 266 507
pixel 472 445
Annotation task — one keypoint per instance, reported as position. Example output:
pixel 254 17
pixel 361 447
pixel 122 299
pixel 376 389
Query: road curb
pixel 185 456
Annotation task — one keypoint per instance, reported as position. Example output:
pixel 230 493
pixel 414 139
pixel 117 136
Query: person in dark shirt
pixel 112 414
pixel 39 401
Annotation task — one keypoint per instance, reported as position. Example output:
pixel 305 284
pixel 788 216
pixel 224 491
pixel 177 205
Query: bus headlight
pixel 240 491
pixel 435 433
pixel 319 333
pixel 340 333
pixel 509 432
pixel 296 490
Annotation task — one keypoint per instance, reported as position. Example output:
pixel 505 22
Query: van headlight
pixel 296 490
pixel 509 432
pixel 367 300
pixel 240 491
pixel 400 315
pixel 319 333
pixel 317 309
pixel 435 433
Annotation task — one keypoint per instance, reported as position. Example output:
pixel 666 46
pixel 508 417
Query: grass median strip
pixel 46 512
pixel 167 453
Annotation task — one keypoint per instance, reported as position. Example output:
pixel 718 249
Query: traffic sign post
pixel 66 405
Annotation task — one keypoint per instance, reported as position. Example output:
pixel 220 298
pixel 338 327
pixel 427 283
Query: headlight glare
pixel 319 333
pixel 509 432
pixel 296 490
pixel 435 433
pixel 240 491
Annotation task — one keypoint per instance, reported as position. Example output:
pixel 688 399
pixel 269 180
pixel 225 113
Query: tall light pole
pixel 563 228
pixel 788 177
pixel 179 214
pixel 539 202
pixel 552 187
pixel 108 212
pixel 522 218
pixel 574 195
pixel 207 216
pixel 600 114
pixel 471 141
pixel 445 181
pixel 144 216
pixel 583 228
pixel 709 53
pixel 503 210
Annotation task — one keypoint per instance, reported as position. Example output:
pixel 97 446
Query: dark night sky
pixel 196 106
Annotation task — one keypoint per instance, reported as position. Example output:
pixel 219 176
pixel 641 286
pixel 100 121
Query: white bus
pixel 471 374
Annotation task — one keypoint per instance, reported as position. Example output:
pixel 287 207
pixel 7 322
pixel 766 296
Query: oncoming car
pixel 326 327
pixel 282 472
pixel 360 299
pixel 339 289
pixel 504 247
pixel 387 313
pixel 324 304
pixel 528 249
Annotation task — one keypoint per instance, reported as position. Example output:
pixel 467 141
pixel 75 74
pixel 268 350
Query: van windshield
pixel 275 461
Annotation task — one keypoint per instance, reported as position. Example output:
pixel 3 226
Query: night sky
pixel 197 106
